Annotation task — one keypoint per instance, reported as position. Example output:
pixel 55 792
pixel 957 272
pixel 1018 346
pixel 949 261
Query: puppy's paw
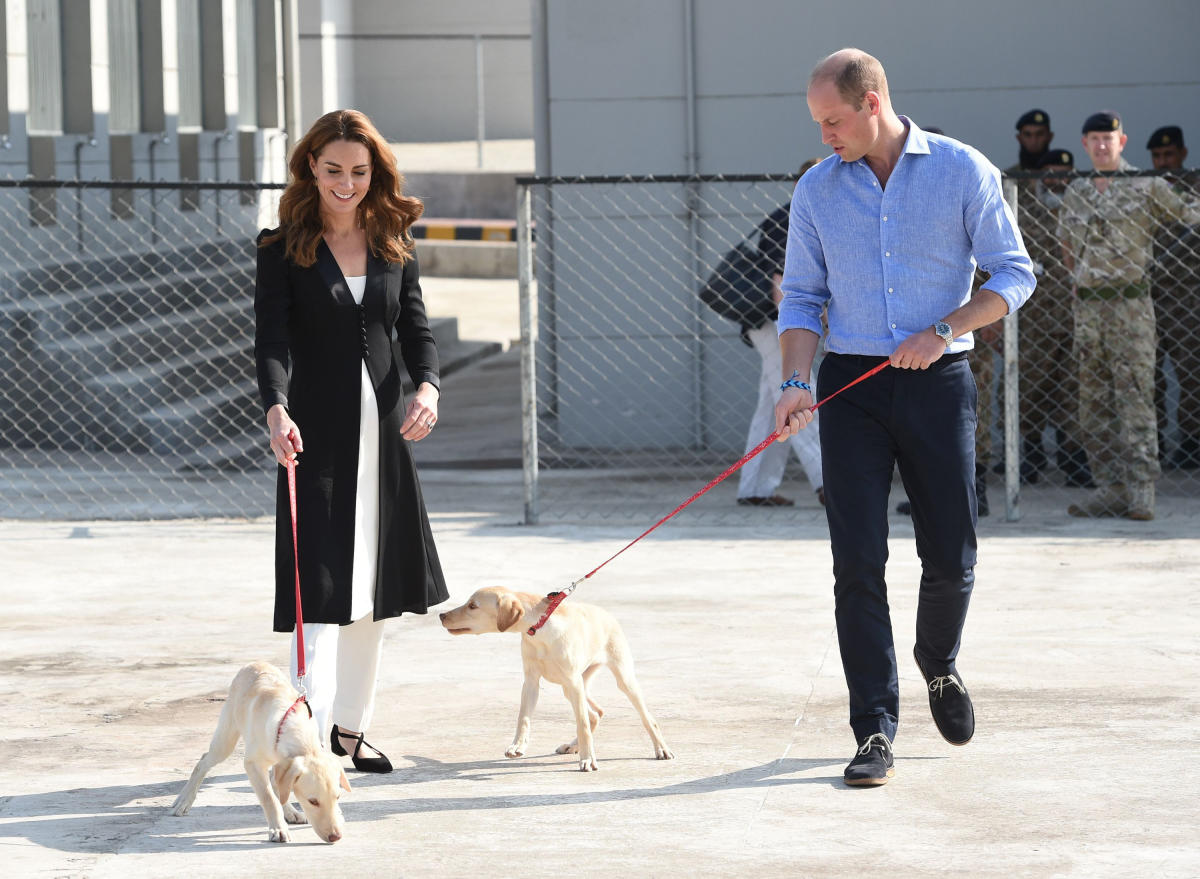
pixel 179 809
pixel 515 750
pixel 587 763
pixel 292 815
pixel 571 747
pixel 278 834
pixel 662 752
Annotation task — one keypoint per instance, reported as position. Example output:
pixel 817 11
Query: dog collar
pixel 286 714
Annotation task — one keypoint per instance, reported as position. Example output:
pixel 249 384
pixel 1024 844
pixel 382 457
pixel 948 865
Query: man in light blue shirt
pixel 886 235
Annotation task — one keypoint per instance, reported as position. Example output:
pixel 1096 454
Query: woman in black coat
pixel 337 286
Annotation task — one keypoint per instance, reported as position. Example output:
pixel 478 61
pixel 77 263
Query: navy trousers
pixel 922 421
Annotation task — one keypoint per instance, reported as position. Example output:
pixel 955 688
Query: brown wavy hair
pixel 385 211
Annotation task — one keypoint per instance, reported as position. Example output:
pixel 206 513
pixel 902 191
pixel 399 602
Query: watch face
pixel 943 329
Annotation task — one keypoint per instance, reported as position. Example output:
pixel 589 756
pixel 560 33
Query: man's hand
pixel 793 412
pixel 919 351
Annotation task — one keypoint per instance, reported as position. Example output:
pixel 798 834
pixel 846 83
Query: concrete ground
pixel 119 640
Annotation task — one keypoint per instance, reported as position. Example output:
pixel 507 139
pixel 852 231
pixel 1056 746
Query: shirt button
pixel 887 253
pixel 885 219
pixel 893 326
pixel 889 289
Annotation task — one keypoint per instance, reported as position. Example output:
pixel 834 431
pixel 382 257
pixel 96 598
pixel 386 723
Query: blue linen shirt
pixel 890 262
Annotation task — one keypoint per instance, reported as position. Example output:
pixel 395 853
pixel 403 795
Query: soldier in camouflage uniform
pixel 1107 226
pixel 1049 376
pixel 1034 137
pixel 1176 291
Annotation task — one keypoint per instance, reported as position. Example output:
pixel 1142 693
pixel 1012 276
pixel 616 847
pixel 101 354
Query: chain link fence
pixel 126 339
pixel 126 347
pixel 643 355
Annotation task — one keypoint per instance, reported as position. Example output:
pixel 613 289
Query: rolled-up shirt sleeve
pixel 996 241
pixel 805 287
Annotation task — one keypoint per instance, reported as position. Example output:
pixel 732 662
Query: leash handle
pixel 556 598
pixel 300 669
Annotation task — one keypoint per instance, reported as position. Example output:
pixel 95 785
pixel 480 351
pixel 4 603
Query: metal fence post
pixel 479 106
pixel 529 337
pixel 1012 399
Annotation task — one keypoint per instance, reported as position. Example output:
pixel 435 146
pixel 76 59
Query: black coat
pixel 310 341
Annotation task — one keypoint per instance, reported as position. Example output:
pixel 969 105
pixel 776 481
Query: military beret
pixel 1105 120
pixel 1168 135
pixel 1034 117
pixel 1056 157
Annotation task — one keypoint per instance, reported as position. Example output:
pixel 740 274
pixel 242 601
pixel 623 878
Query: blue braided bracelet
pixel 794 382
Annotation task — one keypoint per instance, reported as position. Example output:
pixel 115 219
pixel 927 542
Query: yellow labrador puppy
pixel 575 642
pixel 279 732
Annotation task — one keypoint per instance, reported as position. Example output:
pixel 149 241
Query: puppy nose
pixel 442 617
pixel 334 836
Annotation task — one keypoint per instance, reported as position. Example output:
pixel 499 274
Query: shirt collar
pixel 917 140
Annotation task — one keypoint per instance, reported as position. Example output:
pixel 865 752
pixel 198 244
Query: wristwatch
pixel 944 332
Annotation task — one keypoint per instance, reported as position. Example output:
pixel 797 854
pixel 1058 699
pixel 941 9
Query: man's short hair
pixel 853 76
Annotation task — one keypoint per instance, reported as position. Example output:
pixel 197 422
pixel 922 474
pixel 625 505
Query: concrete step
pixel 98 307
pixel 221 415
pixel 247 448
pixel 157 339
pixel 57 277
pixel 467 259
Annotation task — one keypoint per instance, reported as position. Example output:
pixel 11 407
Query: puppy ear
pixel 289 770
pixel 509 613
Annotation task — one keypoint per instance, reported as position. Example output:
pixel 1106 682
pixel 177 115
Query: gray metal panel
pixel 626 393
pixel 150 73
pixel 124 112
pixel 604 290
pixel 77 70
pixel 120 163
pixel 730 384
pixel 445 16
pixel 268 64
pixel 43 203
pixel 970 69
pixel 618 137
pixel 4 116
pixel 507 76
pixel 190 103
pixel 212 66
pixel 618 49
pixel 44 54
pixel 246 34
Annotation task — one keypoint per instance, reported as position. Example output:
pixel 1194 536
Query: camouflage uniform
pixel 1110 237
pixel 1176 291
pixel 1049 377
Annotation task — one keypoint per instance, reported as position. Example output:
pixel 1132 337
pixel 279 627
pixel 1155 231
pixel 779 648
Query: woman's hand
pixel 422 413
pixel 285 435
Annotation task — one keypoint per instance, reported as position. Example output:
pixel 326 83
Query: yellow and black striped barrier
pixel 465 230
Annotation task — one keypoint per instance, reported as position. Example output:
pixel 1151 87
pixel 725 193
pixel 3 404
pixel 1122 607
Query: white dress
pixel 366 508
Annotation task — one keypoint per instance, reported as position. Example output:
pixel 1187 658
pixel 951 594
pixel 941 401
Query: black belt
pixel 869 360
pixel 1121 291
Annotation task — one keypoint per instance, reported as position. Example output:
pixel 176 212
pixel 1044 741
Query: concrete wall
pixel 411 65
pixel 615 75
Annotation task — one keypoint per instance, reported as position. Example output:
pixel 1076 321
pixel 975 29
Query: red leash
pixel 300 669
pixel 556 598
